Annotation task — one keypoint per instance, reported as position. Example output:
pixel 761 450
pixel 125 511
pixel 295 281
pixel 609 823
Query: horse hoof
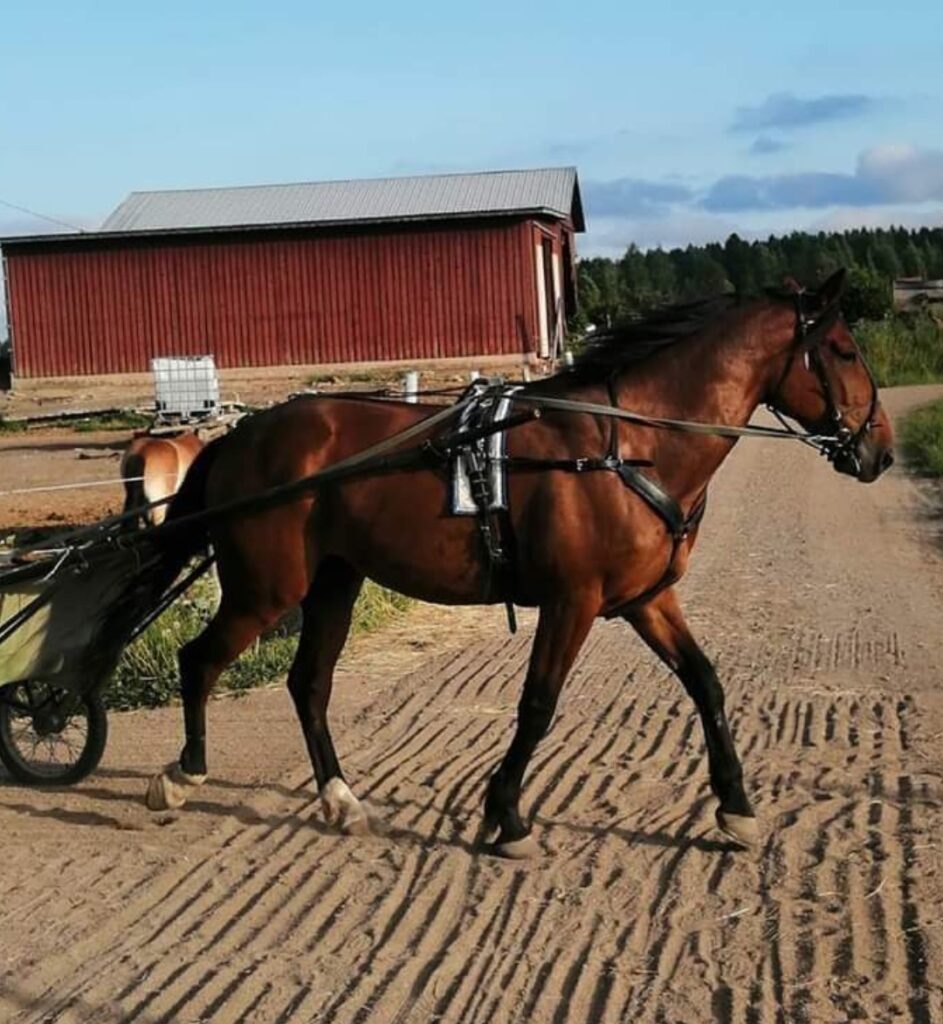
pixel 169 789
pixel 484 838
pixel 357 827
pixel 342 810
pixel 517 849
pixel 739 827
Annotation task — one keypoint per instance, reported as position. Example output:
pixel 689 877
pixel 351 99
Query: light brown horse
pixel 586 545
pixel 153 467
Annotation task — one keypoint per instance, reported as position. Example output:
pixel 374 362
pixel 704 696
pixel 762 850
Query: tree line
pixel 614 290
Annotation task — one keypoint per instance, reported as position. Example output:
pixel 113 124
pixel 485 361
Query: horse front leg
pixel 661 625
pixel 561 630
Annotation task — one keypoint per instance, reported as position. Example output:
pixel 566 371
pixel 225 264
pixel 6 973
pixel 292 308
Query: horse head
pixel 827 386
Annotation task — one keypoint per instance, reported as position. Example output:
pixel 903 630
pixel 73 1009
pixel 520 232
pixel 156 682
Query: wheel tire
pixel 92 709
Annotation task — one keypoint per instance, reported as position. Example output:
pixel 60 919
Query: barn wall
pixel 277 299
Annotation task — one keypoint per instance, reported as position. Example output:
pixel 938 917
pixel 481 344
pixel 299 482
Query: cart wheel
pixel 49 736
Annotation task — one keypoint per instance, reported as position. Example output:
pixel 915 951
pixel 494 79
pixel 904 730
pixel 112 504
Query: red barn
pixel 433 267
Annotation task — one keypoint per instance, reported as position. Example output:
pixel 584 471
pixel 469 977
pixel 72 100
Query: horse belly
pixel 398 531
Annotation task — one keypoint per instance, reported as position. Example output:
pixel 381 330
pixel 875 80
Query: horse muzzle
pixel 865 459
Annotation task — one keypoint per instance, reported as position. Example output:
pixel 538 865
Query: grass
pixel 902 350
pixel 147 674
pixel 11 426
pixel 126 420
pixel 921 438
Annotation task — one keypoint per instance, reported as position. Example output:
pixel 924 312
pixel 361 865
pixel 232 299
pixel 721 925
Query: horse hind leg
pixel 201 663
pixel 327 611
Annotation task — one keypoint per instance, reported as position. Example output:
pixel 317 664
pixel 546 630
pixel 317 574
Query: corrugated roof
pixel 553 191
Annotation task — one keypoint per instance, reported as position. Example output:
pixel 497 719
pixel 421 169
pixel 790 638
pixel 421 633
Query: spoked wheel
pixel 50 736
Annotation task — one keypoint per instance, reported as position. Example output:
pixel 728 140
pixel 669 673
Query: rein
pixel 808 339
pixel 664 423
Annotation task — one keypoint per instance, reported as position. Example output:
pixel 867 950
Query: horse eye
pixel 845 356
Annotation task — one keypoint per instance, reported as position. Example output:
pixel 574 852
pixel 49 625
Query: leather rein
pixel 808 337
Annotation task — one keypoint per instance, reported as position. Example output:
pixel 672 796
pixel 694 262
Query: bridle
pixel 838 442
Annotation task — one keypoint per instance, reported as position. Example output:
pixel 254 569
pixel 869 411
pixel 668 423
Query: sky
pixel 686 121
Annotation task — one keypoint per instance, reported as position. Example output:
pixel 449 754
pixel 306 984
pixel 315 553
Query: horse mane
pixel 617 348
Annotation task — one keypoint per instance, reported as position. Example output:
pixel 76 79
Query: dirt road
pixel 820 600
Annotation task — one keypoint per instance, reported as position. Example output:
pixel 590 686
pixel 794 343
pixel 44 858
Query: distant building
pixel 456 265
pixel 912 294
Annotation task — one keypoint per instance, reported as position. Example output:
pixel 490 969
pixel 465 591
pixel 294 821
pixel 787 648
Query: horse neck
pixel 720 376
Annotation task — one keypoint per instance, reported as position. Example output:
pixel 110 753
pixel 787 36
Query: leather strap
pixel 657 498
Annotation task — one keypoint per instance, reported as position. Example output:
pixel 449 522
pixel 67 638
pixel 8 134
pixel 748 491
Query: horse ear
pixel 831 292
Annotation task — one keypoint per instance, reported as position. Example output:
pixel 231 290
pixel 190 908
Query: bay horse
pixel 153 467
pixel 586 545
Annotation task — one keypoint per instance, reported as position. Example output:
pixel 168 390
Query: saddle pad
pixel 492 448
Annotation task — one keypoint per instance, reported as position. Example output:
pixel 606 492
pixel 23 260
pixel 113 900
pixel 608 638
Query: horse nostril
pixel 887 459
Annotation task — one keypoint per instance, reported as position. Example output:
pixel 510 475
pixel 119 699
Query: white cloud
pixel 903 173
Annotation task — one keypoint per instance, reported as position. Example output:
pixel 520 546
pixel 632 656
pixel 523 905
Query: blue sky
pixel 686 121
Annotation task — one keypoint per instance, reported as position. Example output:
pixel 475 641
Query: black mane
pixel 618 347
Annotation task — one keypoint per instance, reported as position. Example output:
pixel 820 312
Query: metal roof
pixel 551 191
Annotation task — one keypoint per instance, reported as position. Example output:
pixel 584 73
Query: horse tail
pixel 165 552
pixel 180 542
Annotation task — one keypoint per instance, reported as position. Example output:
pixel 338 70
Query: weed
pixel 922 439
pixel 147 674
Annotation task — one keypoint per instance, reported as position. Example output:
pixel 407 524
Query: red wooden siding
pixel 95 307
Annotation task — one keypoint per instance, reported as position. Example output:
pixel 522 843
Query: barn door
pixel 548 296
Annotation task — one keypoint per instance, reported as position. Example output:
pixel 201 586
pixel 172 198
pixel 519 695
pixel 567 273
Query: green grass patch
pixel 921 437
pixel 127 420
pixel 11 426
pixel 147 673
pixel 902 350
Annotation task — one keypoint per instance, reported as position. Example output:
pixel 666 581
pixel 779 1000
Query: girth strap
pixel 657 498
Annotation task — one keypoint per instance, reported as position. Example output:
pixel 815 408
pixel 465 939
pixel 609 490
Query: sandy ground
pixel 35 465
pixel 820 600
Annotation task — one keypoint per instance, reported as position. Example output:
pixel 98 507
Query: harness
pixel 837 441
pixel 494 523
